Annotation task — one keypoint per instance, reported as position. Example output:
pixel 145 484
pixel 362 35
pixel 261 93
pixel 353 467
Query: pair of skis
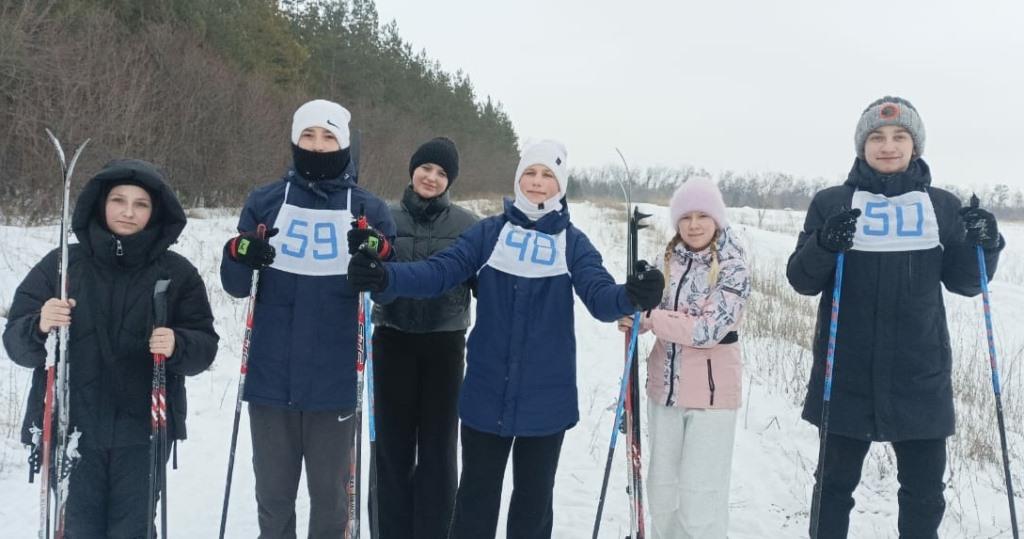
pixel 627 409
pixel 56 461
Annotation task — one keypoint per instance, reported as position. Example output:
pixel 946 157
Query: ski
pixel 56 462
pixel 356 454
pixel 627 411
pixel 371 419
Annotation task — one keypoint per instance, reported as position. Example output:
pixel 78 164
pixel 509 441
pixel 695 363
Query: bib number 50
pixel 879 215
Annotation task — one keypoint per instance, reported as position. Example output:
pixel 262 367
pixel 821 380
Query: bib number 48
pixel 543 250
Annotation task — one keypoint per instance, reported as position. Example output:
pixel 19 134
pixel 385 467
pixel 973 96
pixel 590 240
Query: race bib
pixel 311 242
pixel 529 253
pixel 901 223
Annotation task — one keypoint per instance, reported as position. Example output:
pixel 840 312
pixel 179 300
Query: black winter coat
pixel 110 367
pixel 426 227
pixel 893 363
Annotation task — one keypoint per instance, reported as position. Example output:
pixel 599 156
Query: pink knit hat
pixel 698 194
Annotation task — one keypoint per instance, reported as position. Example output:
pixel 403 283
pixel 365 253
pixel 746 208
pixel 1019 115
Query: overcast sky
pixel 741 85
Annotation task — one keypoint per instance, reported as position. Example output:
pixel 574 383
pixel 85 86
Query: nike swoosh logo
pixel 343 419
pixel 330 123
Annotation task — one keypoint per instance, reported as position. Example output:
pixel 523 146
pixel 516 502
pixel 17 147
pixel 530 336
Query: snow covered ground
pixel 775 451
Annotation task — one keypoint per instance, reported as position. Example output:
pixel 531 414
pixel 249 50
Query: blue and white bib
pixel 310 241
pixel 889 224
pixel 529 253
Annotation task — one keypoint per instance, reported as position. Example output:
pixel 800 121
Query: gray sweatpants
pixel 281 440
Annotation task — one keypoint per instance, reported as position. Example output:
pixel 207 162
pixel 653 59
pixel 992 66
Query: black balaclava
pixel 317 166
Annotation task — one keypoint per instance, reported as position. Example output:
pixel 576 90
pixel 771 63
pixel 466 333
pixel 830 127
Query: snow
pixel 775 451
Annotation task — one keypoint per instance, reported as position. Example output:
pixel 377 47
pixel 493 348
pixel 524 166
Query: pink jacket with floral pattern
pixel 690 366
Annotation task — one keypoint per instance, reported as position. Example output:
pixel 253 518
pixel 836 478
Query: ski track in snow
pixel 775 451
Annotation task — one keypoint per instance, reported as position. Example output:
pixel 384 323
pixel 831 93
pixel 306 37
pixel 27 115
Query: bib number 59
pixel 324 235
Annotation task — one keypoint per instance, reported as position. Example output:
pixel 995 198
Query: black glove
pixel 645 287
pixel 252 251
pixel 366 272
pixel 980 226
pixel 837 234
pixel 374 240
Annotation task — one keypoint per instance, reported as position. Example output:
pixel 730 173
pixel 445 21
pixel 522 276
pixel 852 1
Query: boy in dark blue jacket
pixel 301 381
pixel 520 391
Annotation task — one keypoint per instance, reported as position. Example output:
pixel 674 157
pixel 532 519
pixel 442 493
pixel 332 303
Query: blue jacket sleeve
pixel 381 220
pixel 442 271
pixel 605 300
pixel 235 277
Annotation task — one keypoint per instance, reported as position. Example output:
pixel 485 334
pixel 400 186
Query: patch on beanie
pixel 558 160
pixel 891 111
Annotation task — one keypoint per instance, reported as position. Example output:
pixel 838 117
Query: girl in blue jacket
pixel 520 392
pixel 301 381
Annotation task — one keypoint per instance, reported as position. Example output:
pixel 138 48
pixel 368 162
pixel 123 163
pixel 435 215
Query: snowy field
pixel 775 450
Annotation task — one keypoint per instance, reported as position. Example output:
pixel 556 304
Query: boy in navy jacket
pixel 520 391
pixel 301 381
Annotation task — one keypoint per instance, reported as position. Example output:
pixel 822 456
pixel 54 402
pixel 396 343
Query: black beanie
pixel 440 151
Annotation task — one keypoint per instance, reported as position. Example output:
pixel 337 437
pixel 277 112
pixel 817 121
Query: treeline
pixel 206 90
pixel 756 190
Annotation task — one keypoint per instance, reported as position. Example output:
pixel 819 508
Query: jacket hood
pixel 168 215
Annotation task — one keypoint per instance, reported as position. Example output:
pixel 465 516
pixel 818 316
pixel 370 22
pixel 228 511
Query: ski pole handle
pixel 160 302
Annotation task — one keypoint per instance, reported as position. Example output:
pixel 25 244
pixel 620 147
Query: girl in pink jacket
pixel 694 372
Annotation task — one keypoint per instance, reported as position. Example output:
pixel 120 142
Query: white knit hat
pixel 322 113
pixel 553 155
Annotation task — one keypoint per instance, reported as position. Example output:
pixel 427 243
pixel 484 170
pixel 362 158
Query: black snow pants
pixel 920 465
pixel 417 377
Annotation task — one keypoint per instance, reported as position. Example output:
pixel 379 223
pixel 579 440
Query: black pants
pixel 281 440
pixel 417 377
pixel 920 465
pixel 484 456
pixel 108 494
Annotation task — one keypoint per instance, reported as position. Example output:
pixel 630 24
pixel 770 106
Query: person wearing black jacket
pixel 419 358
pixel 125 219
pixel 904 240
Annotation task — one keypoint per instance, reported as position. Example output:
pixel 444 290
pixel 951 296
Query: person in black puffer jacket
pixel 904 240
pixel 419 358
pixel 125 219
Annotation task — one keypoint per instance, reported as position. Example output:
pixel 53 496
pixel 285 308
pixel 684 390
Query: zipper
pixel 118 248
pixel 711 383
pixel 672 363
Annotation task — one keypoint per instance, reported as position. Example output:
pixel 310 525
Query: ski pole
pixel 830 356
pixel 996 386
pixel 158 419
pixel 250 308
pixel 619 408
